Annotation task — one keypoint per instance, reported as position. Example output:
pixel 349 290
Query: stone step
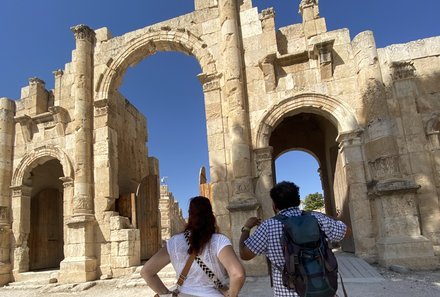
pixel 35 278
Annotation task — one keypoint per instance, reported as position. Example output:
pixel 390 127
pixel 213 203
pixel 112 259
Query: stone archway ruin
pixel 383 103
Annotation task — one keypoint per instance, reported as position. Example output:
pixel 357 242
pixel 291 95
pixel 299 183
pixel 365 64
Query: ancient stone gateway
pixel 369 116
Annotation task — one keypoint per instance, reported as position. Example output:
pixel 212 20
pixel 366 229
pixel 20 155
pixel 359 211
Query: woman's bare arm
pixel 152 267
pixel 234 268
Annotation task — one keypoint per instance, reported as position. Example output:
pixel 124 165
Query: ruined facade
pixel 369 115
pixel 171 216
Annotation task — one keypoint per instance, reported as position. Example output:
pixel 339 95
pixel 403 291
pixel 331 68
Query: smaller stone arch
pixel 332 109
pixel 148 43
pixel 38 156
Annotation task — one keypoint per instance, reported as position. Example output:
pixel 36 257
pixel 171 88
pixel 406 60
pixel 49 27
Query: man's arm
pixel 245 252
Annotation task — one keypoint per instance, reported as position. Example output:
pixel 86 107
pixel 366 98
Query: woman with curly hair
pixel 207 254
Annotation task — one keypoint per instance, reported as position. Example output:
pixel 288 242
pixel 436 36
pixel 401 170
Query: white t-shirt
pixel 197 282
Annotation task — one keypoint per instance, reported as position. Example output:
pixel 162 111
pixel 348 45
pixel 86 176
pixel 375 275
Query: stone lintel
pixel 243 205
pixel 391 187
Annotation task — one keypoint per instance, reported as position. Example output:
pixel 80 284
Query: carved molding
pixel 391 187
pixel 403 70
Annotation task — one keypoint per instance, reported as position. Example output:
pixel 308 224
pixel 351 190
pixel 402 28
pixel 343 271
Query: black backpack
pixel 311 268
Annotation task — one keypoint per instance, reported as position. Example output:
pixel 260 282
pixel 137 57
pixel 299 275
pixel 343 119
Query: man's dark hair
pixel 285 194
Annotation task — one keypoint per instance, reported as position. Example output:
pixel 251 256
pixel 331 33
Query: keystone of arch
pixel 39 156
pixel 163 39
pixel 337 112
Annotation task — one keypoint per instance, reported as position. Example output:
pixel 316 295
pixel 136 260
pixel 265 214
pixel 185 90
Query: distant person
pixel 266 239
pixel 212 248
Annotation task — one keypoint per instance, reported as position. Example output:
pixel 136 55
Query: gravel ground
pixel 414 283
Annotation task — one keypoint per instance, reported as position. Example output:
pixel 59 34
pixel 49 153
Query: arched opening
pixel 46 242
pixel 165 89
pixel 317 135
pixel 302 168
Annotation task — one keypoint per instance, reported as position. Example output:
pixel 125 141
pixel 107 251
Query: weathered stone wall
pixel 172 221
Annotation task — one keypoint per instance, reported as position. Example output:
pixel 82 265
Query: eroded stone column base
pixel 75 270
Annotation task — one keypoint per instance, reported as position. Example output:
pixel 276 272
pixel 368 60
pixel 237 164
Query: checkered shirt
pixel 266 240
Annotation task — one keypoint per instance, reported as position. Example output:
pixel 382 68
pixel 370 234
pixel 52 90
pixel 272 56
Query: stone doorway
pixel 46 241
pixel 317 136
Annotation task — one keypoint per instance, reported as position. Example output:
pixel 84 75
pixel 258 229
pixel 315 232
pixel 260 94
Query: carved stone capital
pixel 36 81
pixel 58 73
pixel 350 138
pixel 21 191
pixel 263 154
pixel 67 181
pixel 210 82
pixel 83 32
pixel 82 204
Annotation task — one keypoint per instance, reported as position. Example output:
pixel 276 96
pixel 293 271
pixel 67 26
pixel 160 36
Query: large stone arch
pixel 337 112
pixel 349 141
pixel 39 156
pixel 164 39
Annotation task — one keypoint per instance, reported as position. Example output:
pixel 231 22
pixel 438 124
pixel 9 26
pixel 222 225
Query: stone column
pixel 399 240
pixel 243 203
pixel 83 119
pixel 7 131
pixel 79 264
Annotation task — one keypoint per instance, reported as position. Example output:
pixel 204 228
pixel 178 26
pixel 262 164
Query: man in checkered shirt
pixel 266 238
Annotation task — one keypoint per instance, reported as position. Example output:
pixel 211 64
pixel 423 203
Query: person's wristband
pixel 245 229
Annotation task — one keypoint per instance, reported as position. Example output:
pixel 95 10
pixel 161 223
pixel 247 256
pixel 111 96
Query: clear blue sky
pixel 35 40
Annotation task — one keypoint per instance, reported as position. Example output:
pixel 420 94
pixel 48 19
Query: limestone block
pixel 102 34
pixel 420 162
pixel 123 235
pixel 211 26
pixel 250 23
pixel 74 250
pixel 310 29
pixel 119 222
pixel 214 126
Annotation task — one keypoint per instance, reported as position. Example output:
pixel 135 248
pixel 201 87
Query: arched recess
pixel 337 112
pixel 41 183
pixel 322 126
pixel 165 39
pixel 39 156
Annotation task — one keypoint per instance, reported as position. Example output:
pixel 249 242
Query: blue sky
pixel 36 40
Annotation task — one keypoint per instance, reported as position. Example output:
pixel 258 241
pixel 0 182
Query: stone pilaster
pixel 21 213
pixel 355 209
pixel 265 179
pixel 7 111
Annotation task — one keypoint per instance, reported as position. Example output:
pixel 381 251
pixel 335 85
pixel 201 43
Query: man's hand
pixel 245 252
pixel 252 222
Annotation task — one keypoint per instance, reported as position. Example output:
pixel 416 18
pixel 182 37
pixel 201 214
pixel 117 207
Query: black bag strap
pixel 218 284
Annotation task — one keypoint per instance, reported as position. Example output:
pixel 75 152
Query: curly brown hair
pixel 201 223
